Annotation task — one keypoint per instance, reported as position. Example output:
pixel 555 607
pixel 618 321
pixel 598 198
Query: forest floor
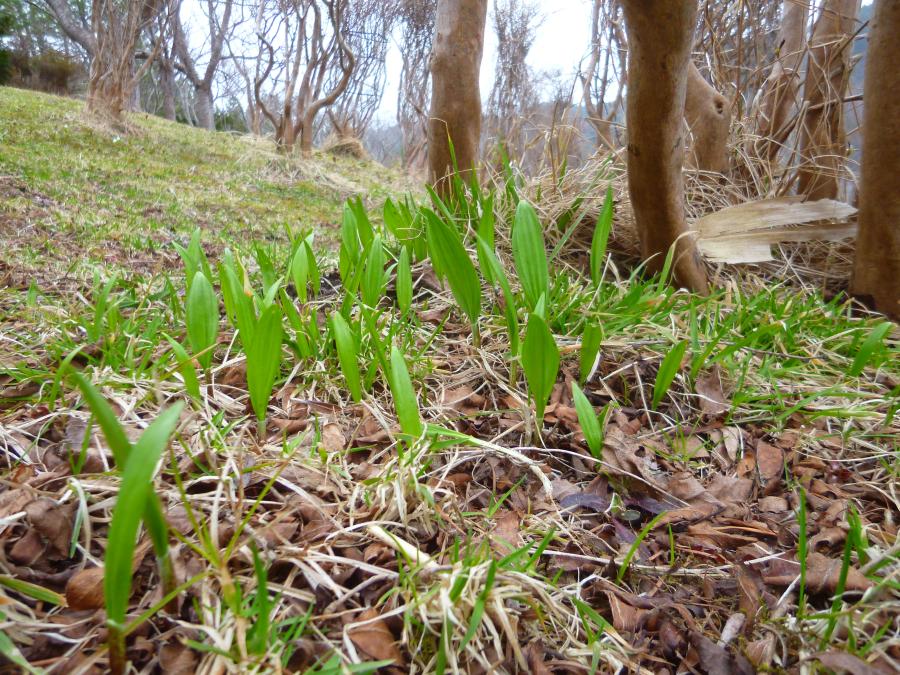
pixel 722 499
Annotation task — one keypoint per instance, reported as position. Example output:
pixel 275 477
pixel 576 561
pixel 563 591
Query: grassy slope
pixel 114 196
pixel 762 404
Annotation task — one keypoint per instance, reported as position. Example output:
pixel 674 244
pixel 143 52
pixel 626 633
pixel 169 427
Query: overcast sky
pixel 562 40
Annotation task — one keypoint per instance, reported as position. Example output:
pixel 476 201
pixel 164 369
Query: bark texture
pixel 782 86
pixel 455 96
pixel 823 140
pixel 708 115
pixel 876 273
pixel 660 34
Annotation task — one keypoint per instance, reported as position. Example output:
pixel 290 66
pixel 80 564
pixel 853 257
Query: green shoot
pixel 601 237
pixel 591 425
pixel 530 254
pixel 345 343
pixel 540 361
pixel 201 314
pixel 404 396
pixel 668 369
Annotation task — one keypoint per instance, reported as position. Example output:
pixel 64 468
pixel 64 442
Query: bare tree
pixel 513 95
pixel 605 70
pixel 779 93
pixel 455 115
pixel 218 30
pixel 76 28
pixel 366 27
pixel 660 34
pixel 823 142
pixel 413 96
pixel 876 272
pixel 708 115
pixel 309 44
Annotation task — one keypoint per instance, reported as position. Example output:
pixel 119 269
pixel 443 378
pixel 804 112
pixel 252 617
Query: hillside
pixel 247 427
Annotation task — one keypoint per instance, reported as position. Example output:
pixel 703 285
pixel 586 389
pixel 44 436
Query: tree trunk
pixel 823 142
pixel 876 272
pixel 167 84
pixel 782 87
pixel 204 108
pixel 455 115
pixel 709 117
pixel 660 34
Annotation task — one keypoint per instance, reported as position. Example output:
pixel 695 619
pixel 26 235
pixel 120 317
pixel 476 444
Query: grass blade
pixel 668 369
pixel 867 350
pixel 404 281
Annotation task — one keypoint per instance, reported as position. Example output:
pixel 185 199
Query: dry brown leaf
pixel 177 659
pixel 333 439
pixel 709 390
pixel 84 589
pixel 716 660
pixel 843 662
pixel 822 575
pixel 505 536
pixel 761 652
pixel 770 465
pixel 625 617
pixel 54 522
pixel 773 504
pixel 534 653
pixel 375 638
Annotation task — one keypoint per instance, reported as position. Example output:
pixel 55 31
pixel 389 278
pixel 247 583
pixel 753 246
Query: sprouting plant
pixel 668 369
pixel 136 503
pixel 185 366
pixel 591 424
pixel 540 361
pixel 601 237
pixel 530 255
pixel 591 338
pixel 194 259
pixel 405 401
pixel 494 270
pixel 345 343
pixel 802 551
pixel 374 277
pixel 404 284
pixel 102 308
pixel 264 362
pixel 635 545
pixel 303 270
pixel 452 262
pixel 201 314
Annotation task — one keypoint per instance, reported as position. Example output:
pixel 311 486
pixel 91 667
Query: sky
pixel 562 40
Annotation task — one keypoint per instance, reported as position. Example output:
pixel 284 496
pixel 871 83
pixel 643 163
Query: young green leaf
pixel 264 359
pixel 495 268
pixel 237 303
pixel 300 272
pixel 868 348
pixel 530 254
pixel 540 361
pixel 591 337
pixel 601 237
pixel 446 248
pixel 668 369
pixel 202 318
pixel 346 350
pixel 590 424
pixel 404 396
pixel 373 281
pixel 185 366
pixel 135 490
pixel 404 281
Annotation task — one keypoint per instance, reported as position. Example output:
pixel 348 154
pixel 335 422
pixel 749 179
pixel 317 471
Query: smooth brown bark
pixel 455 115
pixel 708 115
pixel 876 272
pixel 782 86
pixel 660 33
pixel 823 141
